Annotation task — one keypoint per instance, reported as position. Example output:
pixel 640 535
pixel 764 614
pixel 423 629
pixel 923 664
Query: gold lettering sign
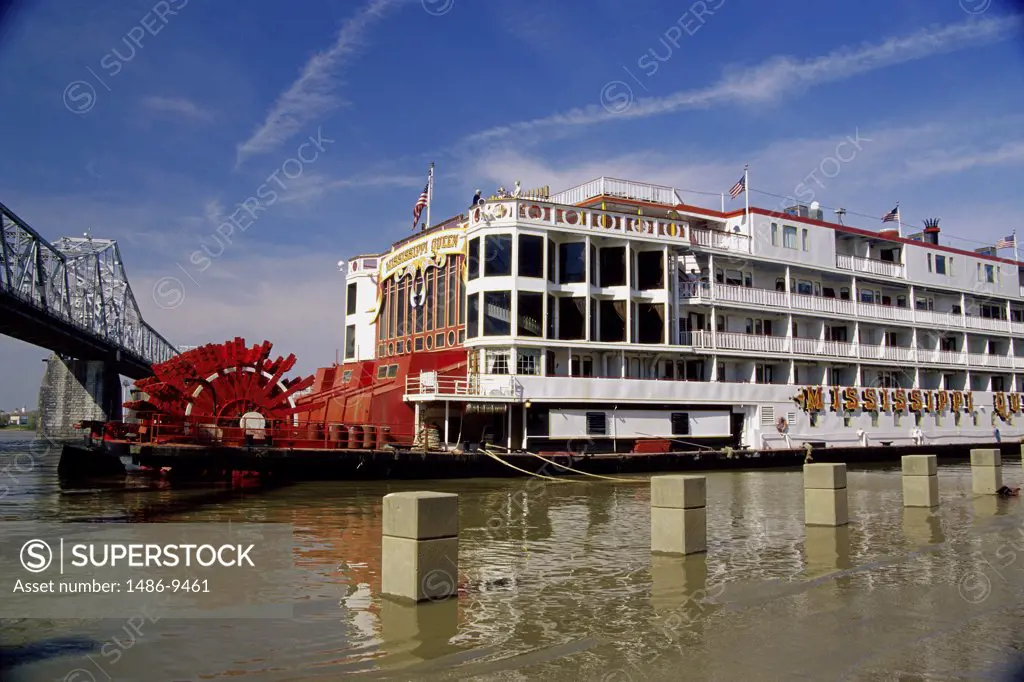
pixel 426 252
pixel 999 404
pixel 898 400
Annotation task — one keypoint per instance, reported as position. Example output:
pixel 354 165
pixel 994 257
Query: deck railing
pixel 869 265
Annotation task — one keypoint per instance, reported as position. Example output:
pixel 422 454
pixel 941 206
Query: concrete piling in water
pixel 420 546
pixel 986 471
pixel 920 481
pixel 825 502
pixel 679 522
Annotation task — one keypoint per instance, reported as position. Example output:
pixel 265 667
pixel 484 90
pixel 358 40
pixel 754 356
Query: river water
pixel 558 582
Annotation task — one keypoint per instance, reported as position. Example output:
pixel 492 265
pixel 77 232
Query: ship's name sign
pixel 846 399
pixel 423 253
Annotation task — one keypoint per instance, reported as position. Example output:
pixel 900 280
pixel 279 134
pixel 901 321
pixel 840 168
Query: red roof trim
pixel 810 221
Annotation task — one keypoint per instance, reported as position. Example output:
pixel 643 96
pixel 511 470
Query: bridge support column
pixel 76 390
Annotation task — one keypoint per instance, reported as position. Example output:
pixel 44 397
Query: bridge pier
pixel 77 390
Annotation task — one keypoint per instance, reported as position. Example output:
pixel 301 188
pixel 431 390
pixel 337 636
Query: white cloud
pixel 178 106
pixel 315 91
pixel 774 78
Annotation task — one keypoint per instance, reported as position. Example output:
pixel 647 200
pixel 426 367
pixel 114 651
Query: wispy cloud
pixel 957 160
pixel 315 91
pixel 177 106
pixel 780 76
pixel 311 186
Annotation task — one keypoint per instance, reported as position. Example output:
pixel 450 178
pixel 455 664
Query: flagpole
pixel 899 221
pixel 1015 246
pixel 430 193
pixel 746 191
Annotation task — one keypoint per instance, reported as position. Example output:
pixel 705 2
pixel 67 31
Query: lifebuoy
pixel 572 217
pixel 476 215
pixel 781 425
pixel 535 213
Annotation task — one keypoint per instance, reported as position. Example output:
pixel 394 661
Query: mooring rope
pixel 585 473
pixel 513 466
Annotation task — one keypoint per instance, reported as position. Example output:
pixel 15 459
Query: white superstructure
pixel 614 311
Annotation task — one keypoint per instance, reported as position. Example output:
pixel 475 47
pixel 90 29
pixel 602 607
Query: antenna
pixel 840 212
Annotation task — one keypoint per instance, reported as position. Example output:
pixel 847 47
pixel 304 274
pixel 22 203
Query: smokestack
pixel 931 231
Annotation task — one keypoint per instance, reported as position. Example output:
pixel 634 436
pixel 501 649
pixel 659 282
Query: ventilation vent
pixel 791 417
pixel 768 415
pixel 597 424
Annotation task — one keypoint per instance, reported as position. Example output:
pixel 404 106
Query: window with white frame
pixel 804 239
pixel 940 265
pixel 497 361
pixel 789 237
pixel 775 234
pixel 528 361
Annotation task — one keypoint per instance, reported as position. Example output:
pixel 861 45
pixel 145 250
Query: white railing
pixel 752 342
pixel 758 297
pixel 473 385
pixel 716 239
pixel 833 306
pixel 884 312
pixel 945 319
pixel 805 346
pixel 869 265
pixel 613 187
pixel 975 322
pixel 894 353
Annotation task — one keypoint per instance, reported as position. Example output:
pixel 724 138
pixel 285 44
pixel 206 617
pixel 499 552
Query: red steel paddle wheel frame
pixel 226 393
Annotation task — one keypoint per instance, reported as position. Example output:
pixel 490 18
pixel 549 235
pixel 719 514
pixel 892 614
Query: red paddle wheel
pixel 219 384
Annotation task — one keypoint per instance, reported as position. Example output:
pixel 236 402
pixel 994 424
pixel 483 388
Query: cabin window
pixel 803 239
pixel 597 424
pixel 734 277
pixel 350 303
pixel 551 261
pixel 828 292
pixel 886 300
pixel 392 371
pixel 382 371
pixel 748 280
pixel 474 258
pixel 986 273
pixel 650 270
pixel 497 313
pixel 680 424
pixel 572 262
pixel 789 237
pixel 775 234
pixel 497 255
pixel 780 284
pixel 528 361
pixel 473 322
pixel 530 314
pixel 612 261
pixel 844 293
pixel 346 376
pixel 805 287
pixel 817 288
pixel 718 275
pixel 350 341
pixel 901 301
pixel 929 262
pixel 497 362
pixel 763 374
pixel 530 260
pixel 571 318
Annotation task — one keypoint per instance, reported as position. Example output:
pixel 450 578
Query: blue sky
pixel 150 122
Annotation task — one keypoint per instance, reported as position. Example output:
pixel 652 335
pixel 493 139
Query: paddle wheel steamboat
pixel 614 319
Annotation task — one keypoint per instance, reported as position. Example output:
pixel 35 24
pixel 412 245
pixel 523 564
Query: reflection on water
pixel 557 582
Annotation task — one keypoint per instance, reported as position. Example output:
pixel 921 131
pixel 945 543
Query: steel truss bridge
pixel 73 297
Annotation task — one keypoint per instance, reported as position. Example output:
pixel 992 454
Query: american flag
pixel 1007 242
pixel 738 188
pixel 892 215
pixel 421 204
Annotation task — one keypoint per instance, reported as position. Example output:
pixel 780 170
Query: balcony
pixel 735 341
pixel 722 241
pixel 869 265
pixel 612 187
pixel 430 386
pixel 939 319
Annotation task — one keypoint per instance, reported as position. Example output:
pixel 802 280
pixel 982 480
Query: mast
pixel 430 193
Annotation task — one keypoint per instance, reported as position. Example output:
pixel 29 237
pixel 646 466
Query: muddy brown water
pixel 558 583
